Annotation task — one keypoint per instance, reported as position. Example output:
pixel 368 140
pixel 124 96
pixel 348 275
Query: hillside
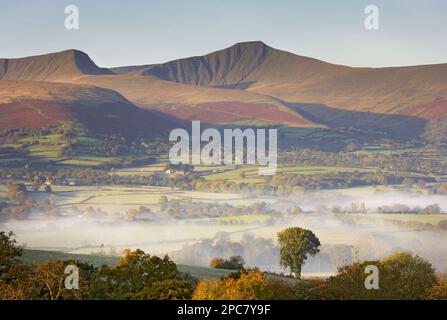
pixel 189 102
pixel 252 83
pixel 55 67
pixel 256 67
pixel 28 104
pixel 39 256
pixel 242 65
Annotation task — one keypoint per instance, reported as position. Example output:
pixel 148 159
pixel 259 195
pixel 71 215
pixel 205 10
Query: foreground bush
pixel 402 276
pixel 439 290
pixel 243 285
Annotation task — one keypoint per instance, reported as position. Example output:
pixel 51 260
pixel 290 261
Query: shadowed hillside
pixel 240 65
pixel 397 126
pixel 26 104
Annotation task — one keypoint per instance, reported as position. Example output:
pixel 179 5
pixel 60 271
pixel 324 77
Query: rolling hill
pixel 31 104
pixel 190 102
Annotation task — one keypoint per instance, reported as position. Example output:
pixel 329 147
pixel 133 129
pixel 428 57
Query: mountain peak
pixel 225 67
pixel 58 66
pixel 256 43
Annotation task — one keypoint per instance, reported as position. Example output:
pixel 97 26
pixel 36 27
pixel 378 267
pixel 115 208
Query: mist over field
pixel 365 237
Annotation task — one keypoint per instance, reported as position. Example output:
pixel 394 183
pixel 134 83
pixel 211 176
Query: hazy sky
pixel 131 32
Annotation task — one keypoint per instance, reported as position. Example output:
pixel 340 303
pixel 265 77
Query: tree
pixel 9 252
pixel 216 262
pixel 235 263
pixel 140 276
pixel 402 276
pixel 439 290
pixel 407 277
pixel 12 272
pixel 163 202
pixel 243 285
pixel 169 289
pixel 47 280
pixel 295 244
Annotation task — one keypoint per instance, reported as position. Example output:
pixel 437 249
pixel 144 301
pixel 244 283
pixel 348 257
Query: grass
pixel 83 162
pixel 44 151
pixel 252 175
pixel 120 198
pixel 41 256
pixel 247 219
pixel 423 218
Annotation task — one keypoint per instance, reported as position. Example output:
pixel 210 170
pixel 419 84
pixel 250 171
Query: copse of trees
pixel 234 263
pixel 140 276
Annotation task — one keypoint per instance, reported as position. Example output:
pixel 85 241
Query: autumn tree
pixel 234 263
pixel 10 252
pixel 139 275
pixel 12 272
pixel 402 276
pixel 243 285
pixel 439 290
pixel 46 281
pixel 407 276
pixel 295 245
pixel 216 262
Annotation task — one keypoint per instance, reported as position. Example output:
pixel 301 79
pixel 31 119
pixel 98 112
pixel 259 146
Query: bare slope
pixel 241 65
pixel 60 66
pixel 259 68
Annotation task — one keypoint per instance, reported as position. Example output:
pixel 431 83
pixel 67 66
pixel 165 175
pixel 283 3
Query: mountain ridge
pixel 58 66
pixel 251 82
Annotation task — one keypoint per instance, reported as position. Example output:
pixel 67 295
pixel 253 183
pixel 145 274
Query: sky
pixel 134 32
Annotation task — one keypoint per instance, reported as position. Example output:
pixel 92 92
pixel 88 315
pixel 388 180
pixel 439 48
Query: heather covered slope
pixel 28 104
pixel 377 90
pixel 190 102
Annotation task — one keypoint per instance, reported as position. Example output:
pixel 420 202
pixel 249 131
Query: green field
pixel 116 198
pixel 246 219
pixel 250 174
pixel 423 218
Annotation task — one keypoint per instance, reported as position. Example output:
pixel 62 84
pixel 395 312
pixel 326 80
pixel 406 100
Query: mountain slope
pixel 189 102
pixel 252 83
pixel 54 67
pixel 258 68
pixel 240 65
pixel 30 104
